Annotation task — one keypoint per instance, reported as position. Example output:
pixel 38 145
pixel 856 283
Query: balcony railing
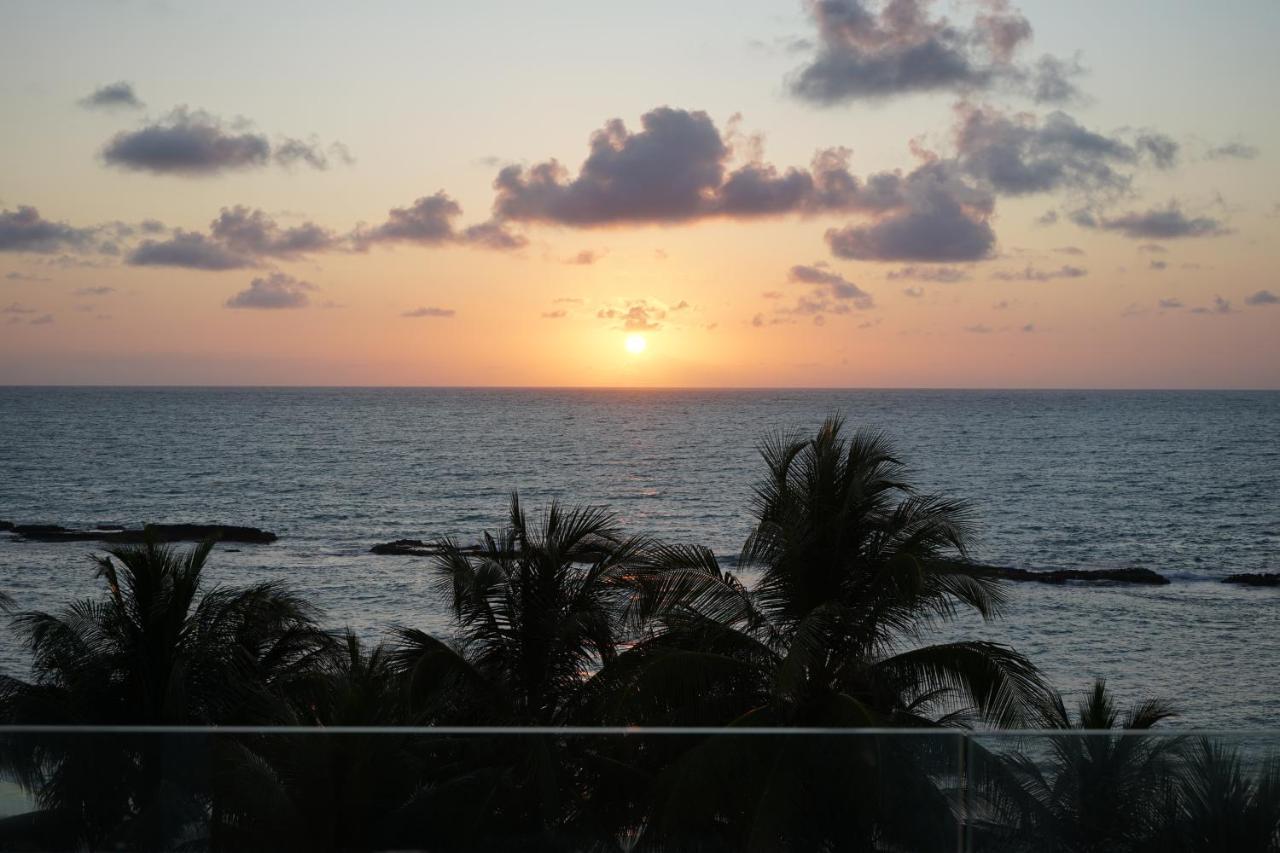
pixel 599 789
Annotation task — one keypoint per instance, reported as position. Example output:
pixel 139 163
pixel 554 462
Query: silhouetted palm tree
pixel 330 789
pixel 539 608
pixel 1218 805
pixel 156 651
pixel 1086 791
pixel 855 569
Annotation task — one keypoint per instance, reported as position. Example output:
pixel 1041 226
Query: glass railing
pixel 479 789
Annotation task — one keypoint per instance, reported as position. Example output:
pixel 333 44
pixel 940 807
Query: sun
pixel 636 344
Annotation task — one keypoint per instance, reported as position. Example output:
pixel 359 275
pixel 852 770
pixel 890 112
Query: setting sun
pixel 636 344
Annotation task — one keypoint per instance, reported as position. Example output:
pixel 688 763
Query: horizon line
pixel 776 388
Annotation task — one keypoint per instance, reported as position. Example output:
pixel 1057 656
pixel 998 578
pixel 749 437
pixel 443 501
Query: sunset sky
pixel 846 193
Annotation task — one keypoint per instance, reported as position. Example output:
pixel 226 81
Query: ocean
pixel 1185 483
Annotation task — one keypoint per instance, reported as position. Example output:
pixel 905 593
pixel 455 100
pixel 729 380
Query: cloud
pixel 568 300
pixel 289 152
pixel 1029 328
pixel 1262 297
pixel 1158 265
pixel 865 53
pixel 94 291
pixel 584 258
pixel 22 276
pixel 1220 306
pixel 835 285
pixel 14 308
pixel 1153 248
pixel 25 230
pixel 430 311
pixel 253 233
pixel 189 250
pixel 943 219
pixel 636 315
pixel 113 96
pixel 238 238
pixel 195 143
pixel 913 292
pixel 1069 250
pixel 1232 151
pixel 429 221
pixel 554 315
pixel 1168 223
pixel 276 290
pixel 944 275
pixel 1171 304
pixel 676 168
pixel 1016 155
pixel 979 329
pixel 1031 274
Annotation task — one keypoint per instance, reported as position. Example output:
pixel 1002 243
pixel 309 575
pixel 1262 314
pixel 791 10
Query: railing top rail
pixel 633 731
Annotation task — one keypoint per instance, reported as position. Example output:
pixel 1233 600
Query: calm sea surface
pixel 1186 483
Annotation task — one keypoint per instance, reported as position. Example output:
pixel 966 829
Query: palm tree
pixel 329 789
pixel 1087 790
pixel 855 567
pixel 540 607
pixel 1217 805
pixel 158 650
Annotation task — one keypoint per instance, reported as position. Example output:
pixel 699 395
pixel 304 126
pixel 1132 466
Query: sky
pixel 845 193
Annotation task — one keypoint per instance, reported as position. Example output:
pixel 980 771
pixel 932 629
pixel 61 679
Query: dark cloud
pixel 1052 80
pixel 833 284
pixel 676 169
pixel 429 221
pixel 94 291
pixel 196 143
pixel 238 238
pixel 1160 148
pixel 1049 217
pixel 979 329
pixel 14 308
pixel 1262 297
pixel 913 292
pixel 190 250
pixel 865 52
pixel 1168 223
pixel 1032 274
pixel 1069 250
pixel 25 230
pixel 1018 156
pixel 1171 304
pixel 118 95
pixel 942 220
pixel 1232 151
pixel 934 274
pixel 276 290
pixel 253 233
pixel 22 276
pixel 430 311
pixel 1158 265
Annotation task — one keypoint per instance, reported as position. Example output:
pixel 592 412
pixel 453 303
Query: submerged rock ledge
pixel 1060 576
pixel 118 535
pixel 1254 579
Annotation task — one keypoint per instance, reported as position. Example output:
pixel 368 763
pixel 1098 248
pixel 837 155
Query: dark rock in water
pixel 405 547
pixel 1138 576
pixel 6 525
pixel 157 532
pixel 1254 579
pixel 108 527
